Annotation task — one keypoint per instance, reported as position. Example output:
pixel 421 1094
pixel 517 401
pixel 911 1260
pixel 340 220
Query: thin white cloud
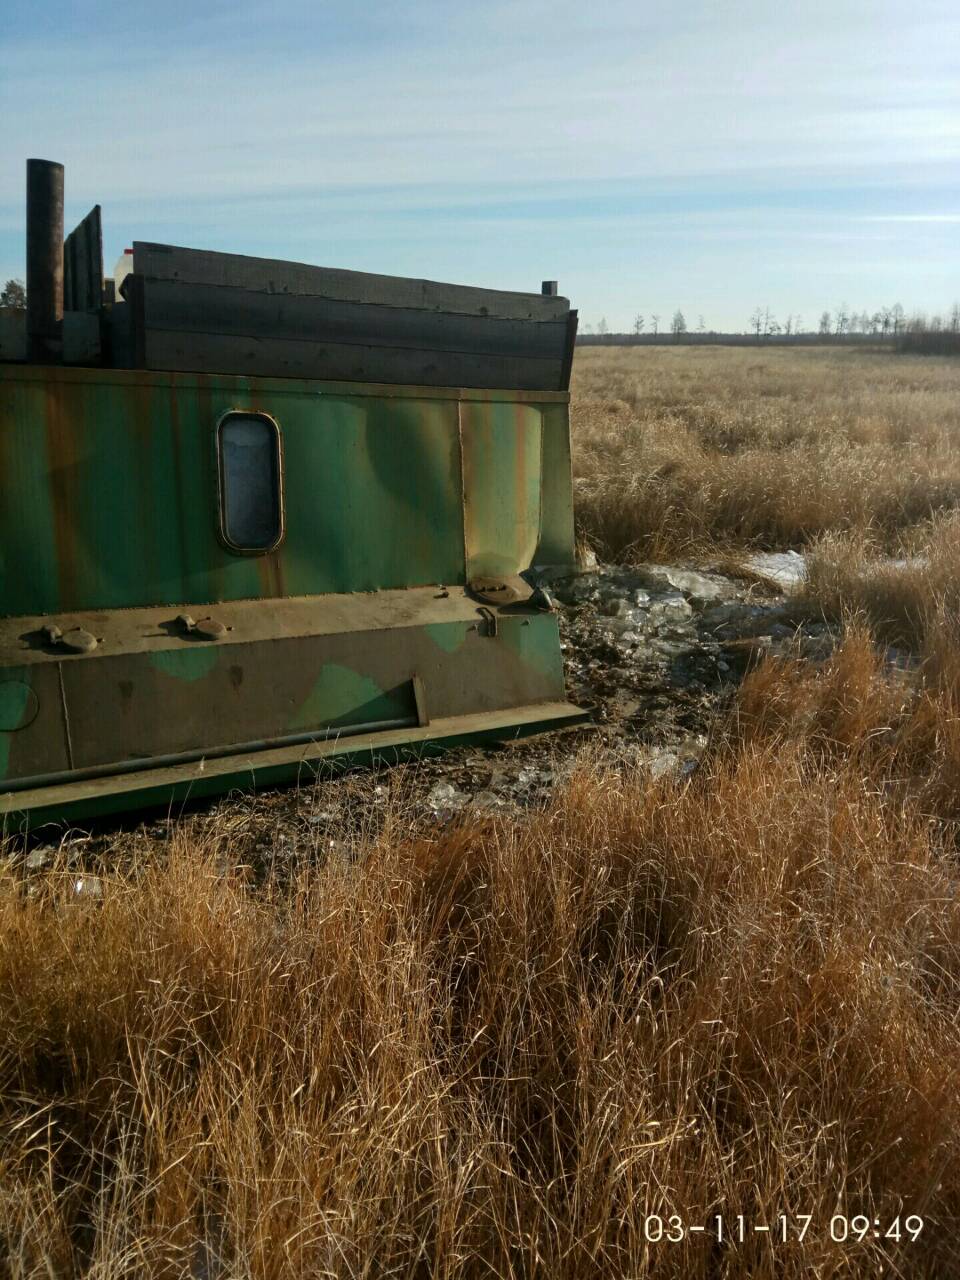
pixel 911 217
pixel 520 91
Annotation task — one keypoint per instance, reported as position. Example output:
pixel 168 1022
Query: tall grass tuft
pixel 506 1049
pixel 909 599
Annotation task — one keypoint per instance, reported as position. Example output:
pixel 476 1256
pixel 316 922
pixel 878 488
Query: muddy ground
pixel 655 651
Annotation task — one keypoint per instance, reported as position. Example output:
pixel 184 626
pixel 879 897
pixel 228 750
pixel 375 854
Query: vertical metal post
pixel 44 259
pixel 549 288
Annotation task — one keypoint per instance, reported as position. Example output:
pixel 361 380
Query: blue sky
pixel 706 156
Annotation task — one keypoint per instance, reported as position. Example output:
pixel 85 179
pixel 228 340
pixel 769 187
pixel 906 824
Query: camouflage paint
pixel 18 709
pixel 108 481
pixel 342 697
pixel 501 445
pixel 185 664
pixel 360 621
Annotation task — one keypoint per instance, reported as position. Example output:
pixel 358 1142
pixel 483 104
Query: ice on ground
pixel 671 607
pixel 662 762
pixel 699 589
pixel 88 886
pixel 444 800
pixel 784 569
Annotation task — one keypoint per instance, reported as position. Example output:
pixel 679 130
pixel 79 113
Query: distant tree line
pixel 916 332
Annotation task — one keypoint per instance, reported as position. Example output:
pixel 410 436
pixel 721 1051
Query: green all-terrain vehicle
pixel 255 515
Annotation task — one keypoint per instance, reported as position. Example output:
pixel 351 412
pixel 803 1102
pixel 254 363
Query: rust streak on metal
pixel 463 490
pixel 270 566
pixel 61 444
pixel 520 461
pixel 208 423
pixel 279 585
pixel 178 478
pixel 270 573
pixel 141 425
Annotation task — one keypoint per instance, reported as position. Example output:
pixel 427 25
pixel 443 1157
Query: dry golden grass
pixel 908 599
pixel 695 449
pixel 497 1052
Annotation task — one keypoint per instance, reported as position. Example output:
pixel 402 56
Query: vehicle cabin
pixel 258 517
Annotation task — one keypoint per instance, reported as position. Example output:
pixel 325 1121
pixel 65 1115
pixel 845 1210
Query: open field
pixel 692 450
pixel 508 1044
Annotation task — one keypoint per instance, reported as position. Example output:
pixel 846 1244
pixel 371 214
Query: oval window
pixel 251 502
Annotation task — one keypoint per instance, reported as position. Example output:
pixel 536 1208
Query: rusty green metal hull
pixel 357 636
pixel 172 786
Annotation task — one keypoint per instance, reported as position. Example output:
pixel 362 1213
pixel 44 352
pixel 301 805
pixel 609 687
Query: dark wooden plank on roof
pixel 83 264
pixel 285 358
pixel 244 313
pixel 268 275
pixel 571 342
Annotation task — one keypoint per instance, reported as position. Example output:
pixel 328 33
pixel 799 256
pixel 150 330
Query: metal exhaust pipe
pixel 44 260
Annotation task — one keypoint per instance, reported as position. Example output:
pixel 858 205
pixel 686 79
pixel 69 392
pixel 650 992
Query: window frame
pixel 225 540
